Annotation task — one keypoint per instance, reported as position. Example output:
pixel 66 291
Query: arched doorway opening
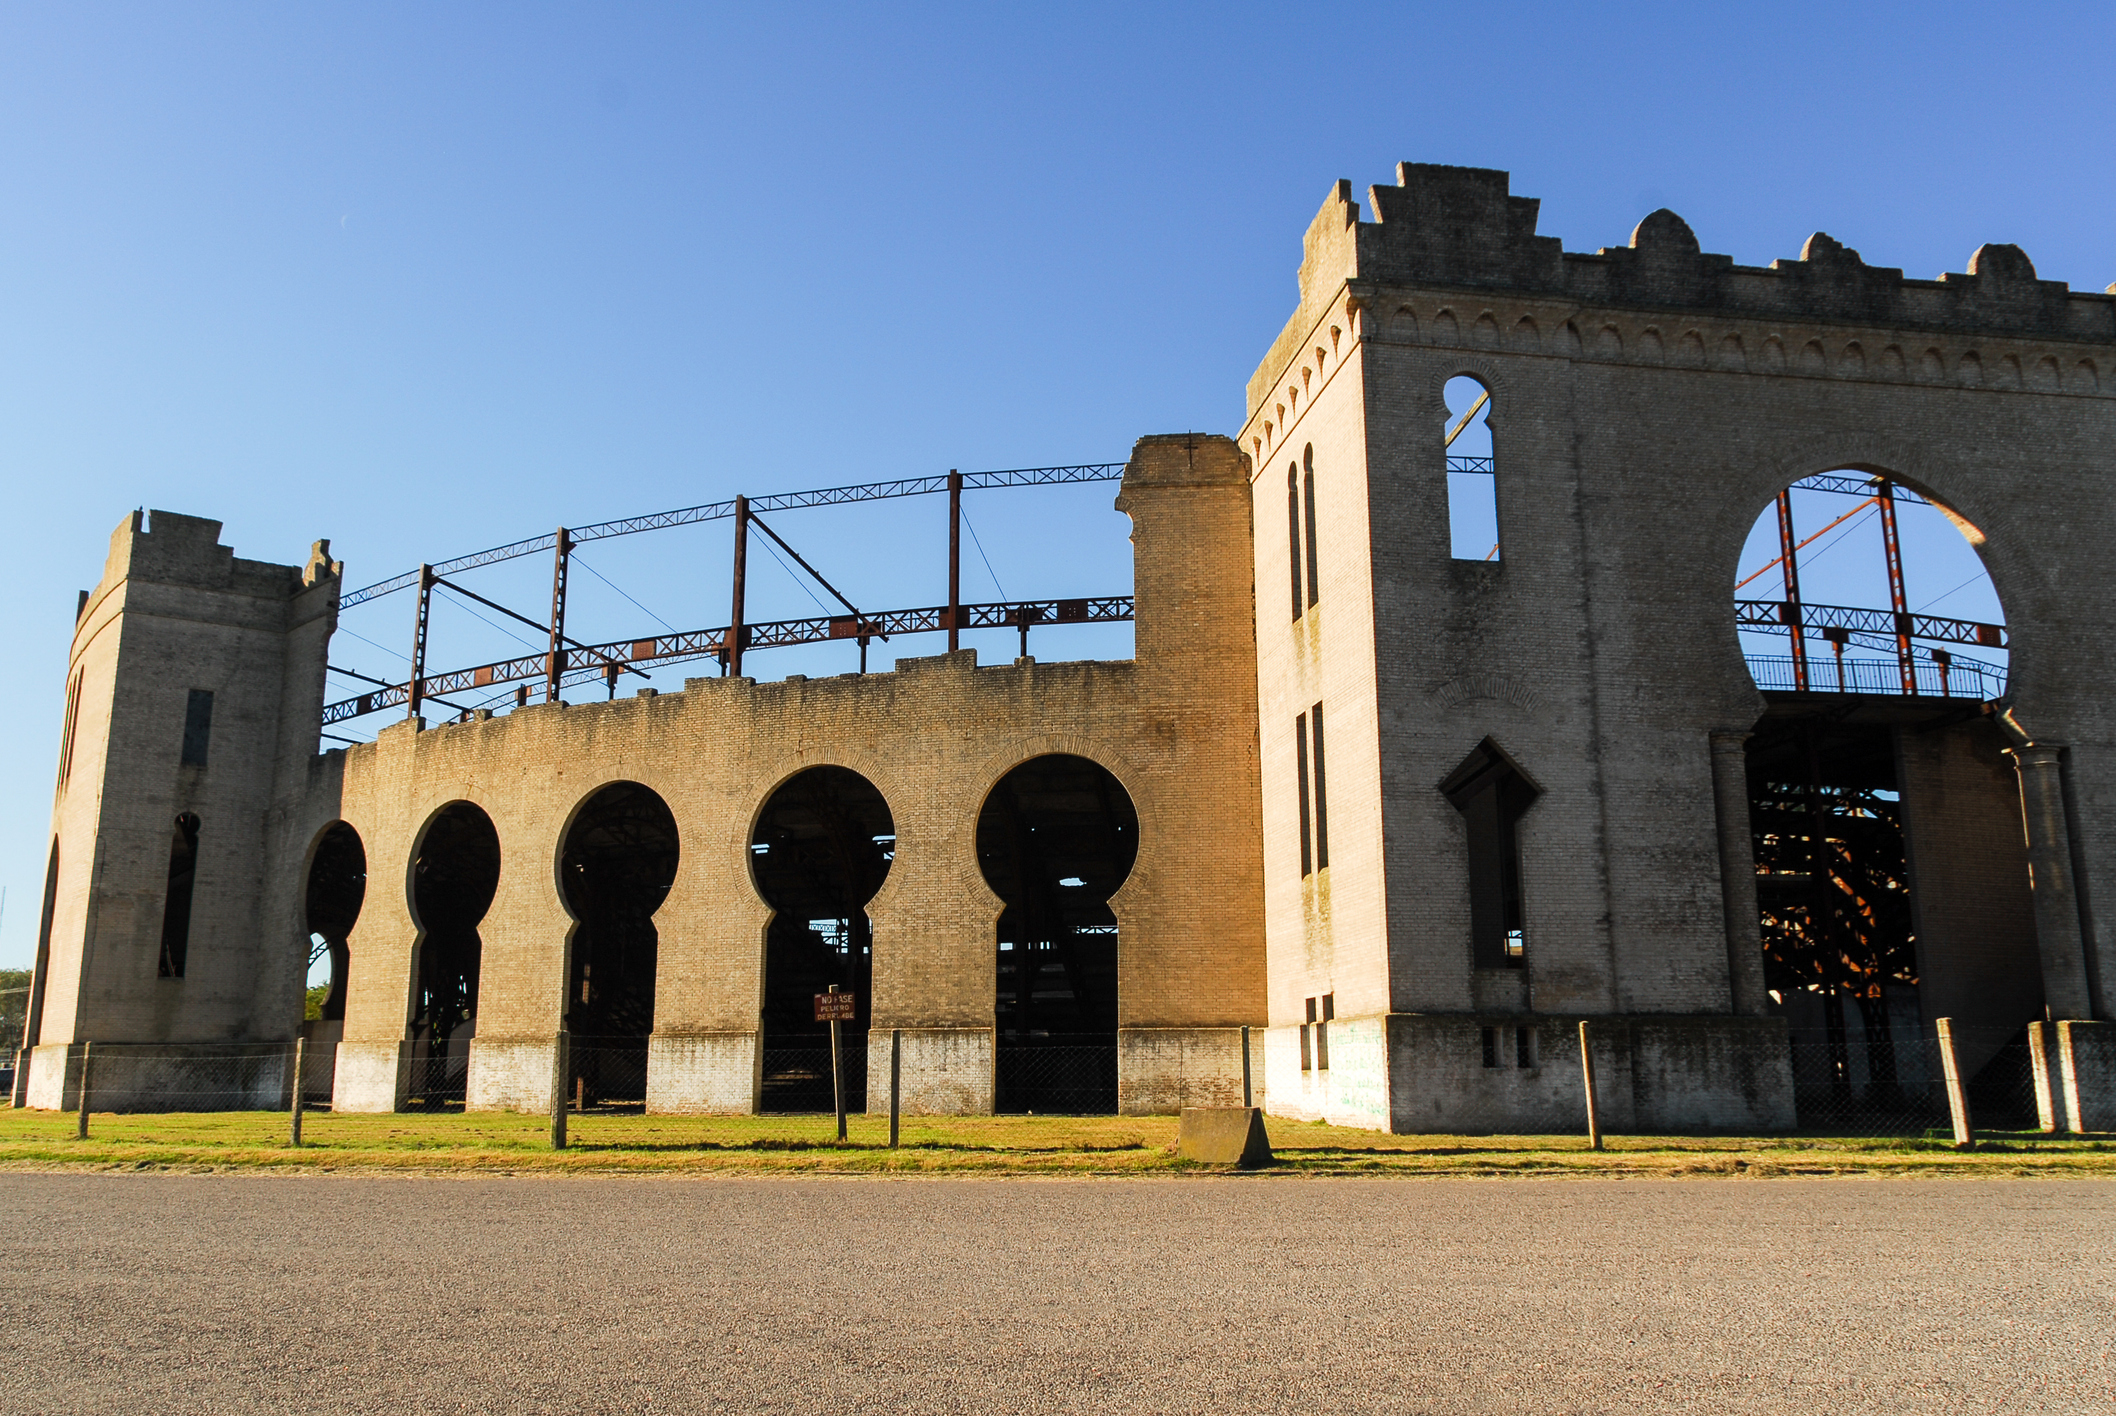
pixel 821 849
pixel 337 887
pixel 615 868
pixel 1891 877
pixel 1056 838
pixel 455 873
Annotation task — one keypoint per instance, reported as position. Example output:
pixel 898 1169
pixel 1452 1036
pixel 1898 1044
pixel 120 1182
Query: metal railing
pixel 1964 678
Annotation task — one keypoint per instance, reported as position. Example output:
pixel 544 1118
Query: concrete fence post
pixel 1594 1121
pixel 561 1067
pixel 1957 1098
pixel 80 1129
pixel 2047 1105
pixel 301 1048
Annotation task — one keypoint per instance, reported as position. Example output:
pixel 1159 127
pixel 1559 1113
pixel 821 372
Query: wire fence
pixel 607 1074
pixel 1851 1080
pixel 230 1077
pixel 1852 1075
pixel 798 1078
pixel 1065 1076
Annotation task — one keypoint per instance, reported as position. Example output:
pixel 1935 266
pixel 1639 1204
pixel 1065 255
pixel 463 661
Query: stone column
pixel 1737 874
pixel 2042 799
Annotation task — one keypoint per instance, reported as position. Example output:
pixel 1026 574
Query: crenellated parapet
pixel 1461 228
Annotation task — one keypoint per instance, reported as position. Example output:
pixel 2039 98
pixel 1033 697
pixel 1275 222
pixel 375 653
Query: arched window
pixel 1293 536
pixel 1307 458
pixel 1492 793
pixel 1472 483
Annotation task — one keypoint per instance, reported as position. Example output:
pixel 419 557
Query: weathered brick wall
pixel 1176 726
pixel 1648 403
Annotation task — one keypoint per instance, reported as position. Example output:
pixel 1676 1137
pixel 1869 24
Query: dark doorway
pixel 337 888
pixel 617 865
pixel 821 849
pixel 454 877
pixel 1055 840
pixel 1839 906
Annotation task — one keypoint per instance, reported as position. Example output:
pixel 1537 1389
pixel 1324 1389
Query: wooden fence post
pixel 80 1130
pixel 1594 1122
pixel 301 1046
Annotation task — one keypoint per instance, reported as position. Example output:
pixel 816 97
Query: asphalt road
pixel 244 1293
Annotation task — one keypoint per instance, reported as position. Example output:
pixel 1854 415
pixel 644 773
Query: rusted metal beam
pixel 555 665
pixel 731 654
pixel 592 661
pixel 1789 560
pixel 954 559
pixel 718 511
pixel 1779 616
pixel 418 641
pixel 1892 549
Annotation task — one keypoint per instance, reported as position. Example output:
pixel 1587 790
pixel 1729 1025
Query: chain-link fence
pixel 607 1074
pixel 1064 1076
pixel 798 1078
pixel 1849 1080
pixel 231 1077
pixel 1852 1076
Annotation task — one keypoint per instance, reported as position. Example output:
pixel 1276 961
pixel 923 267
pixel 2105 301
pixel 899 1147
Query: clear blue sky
pixel 427 278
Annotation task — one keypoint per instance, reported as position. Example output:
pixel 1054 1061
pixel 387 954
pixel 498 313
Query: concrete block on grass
pixel 1223 1135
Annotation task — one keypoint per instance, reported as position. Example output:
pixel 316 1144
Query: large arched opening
pixel 455 873
pixel 821 849
pixel 615 868
pixel 1056 838
pixel 336 888
pixel 1891 878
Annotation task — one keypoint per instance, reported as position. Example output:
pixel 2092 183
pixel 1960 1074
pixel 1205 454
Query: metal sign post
pixel 836 1009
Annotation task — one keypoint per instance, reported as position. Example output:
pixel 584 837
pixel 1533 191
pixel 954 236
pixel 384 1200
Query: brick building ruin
pixel 1407 813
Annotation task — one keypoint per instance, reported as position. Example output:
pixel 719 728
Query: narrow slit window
pixel 1491 1047
pixel 1524 1047
pixel 1322 808
pixel 1322 1032
pixel 1308 505
pixel 176 905
pixel 1300 773
pixel 198 726
pixel 1492 793
pixel 1307 1029
pixel 1293 535
pixel 1472 479
pixel 73 721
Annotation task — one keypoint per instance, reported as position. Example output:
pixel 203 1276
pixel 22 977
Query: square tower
pixel 192 694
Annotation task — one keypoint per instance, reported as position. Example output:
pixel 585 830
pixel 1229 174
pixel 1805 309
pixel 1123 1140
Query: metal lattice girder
pixel 1777 615
pixel 1468 464
pixel 717 511
pixel 710 643
pixel 1854 485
